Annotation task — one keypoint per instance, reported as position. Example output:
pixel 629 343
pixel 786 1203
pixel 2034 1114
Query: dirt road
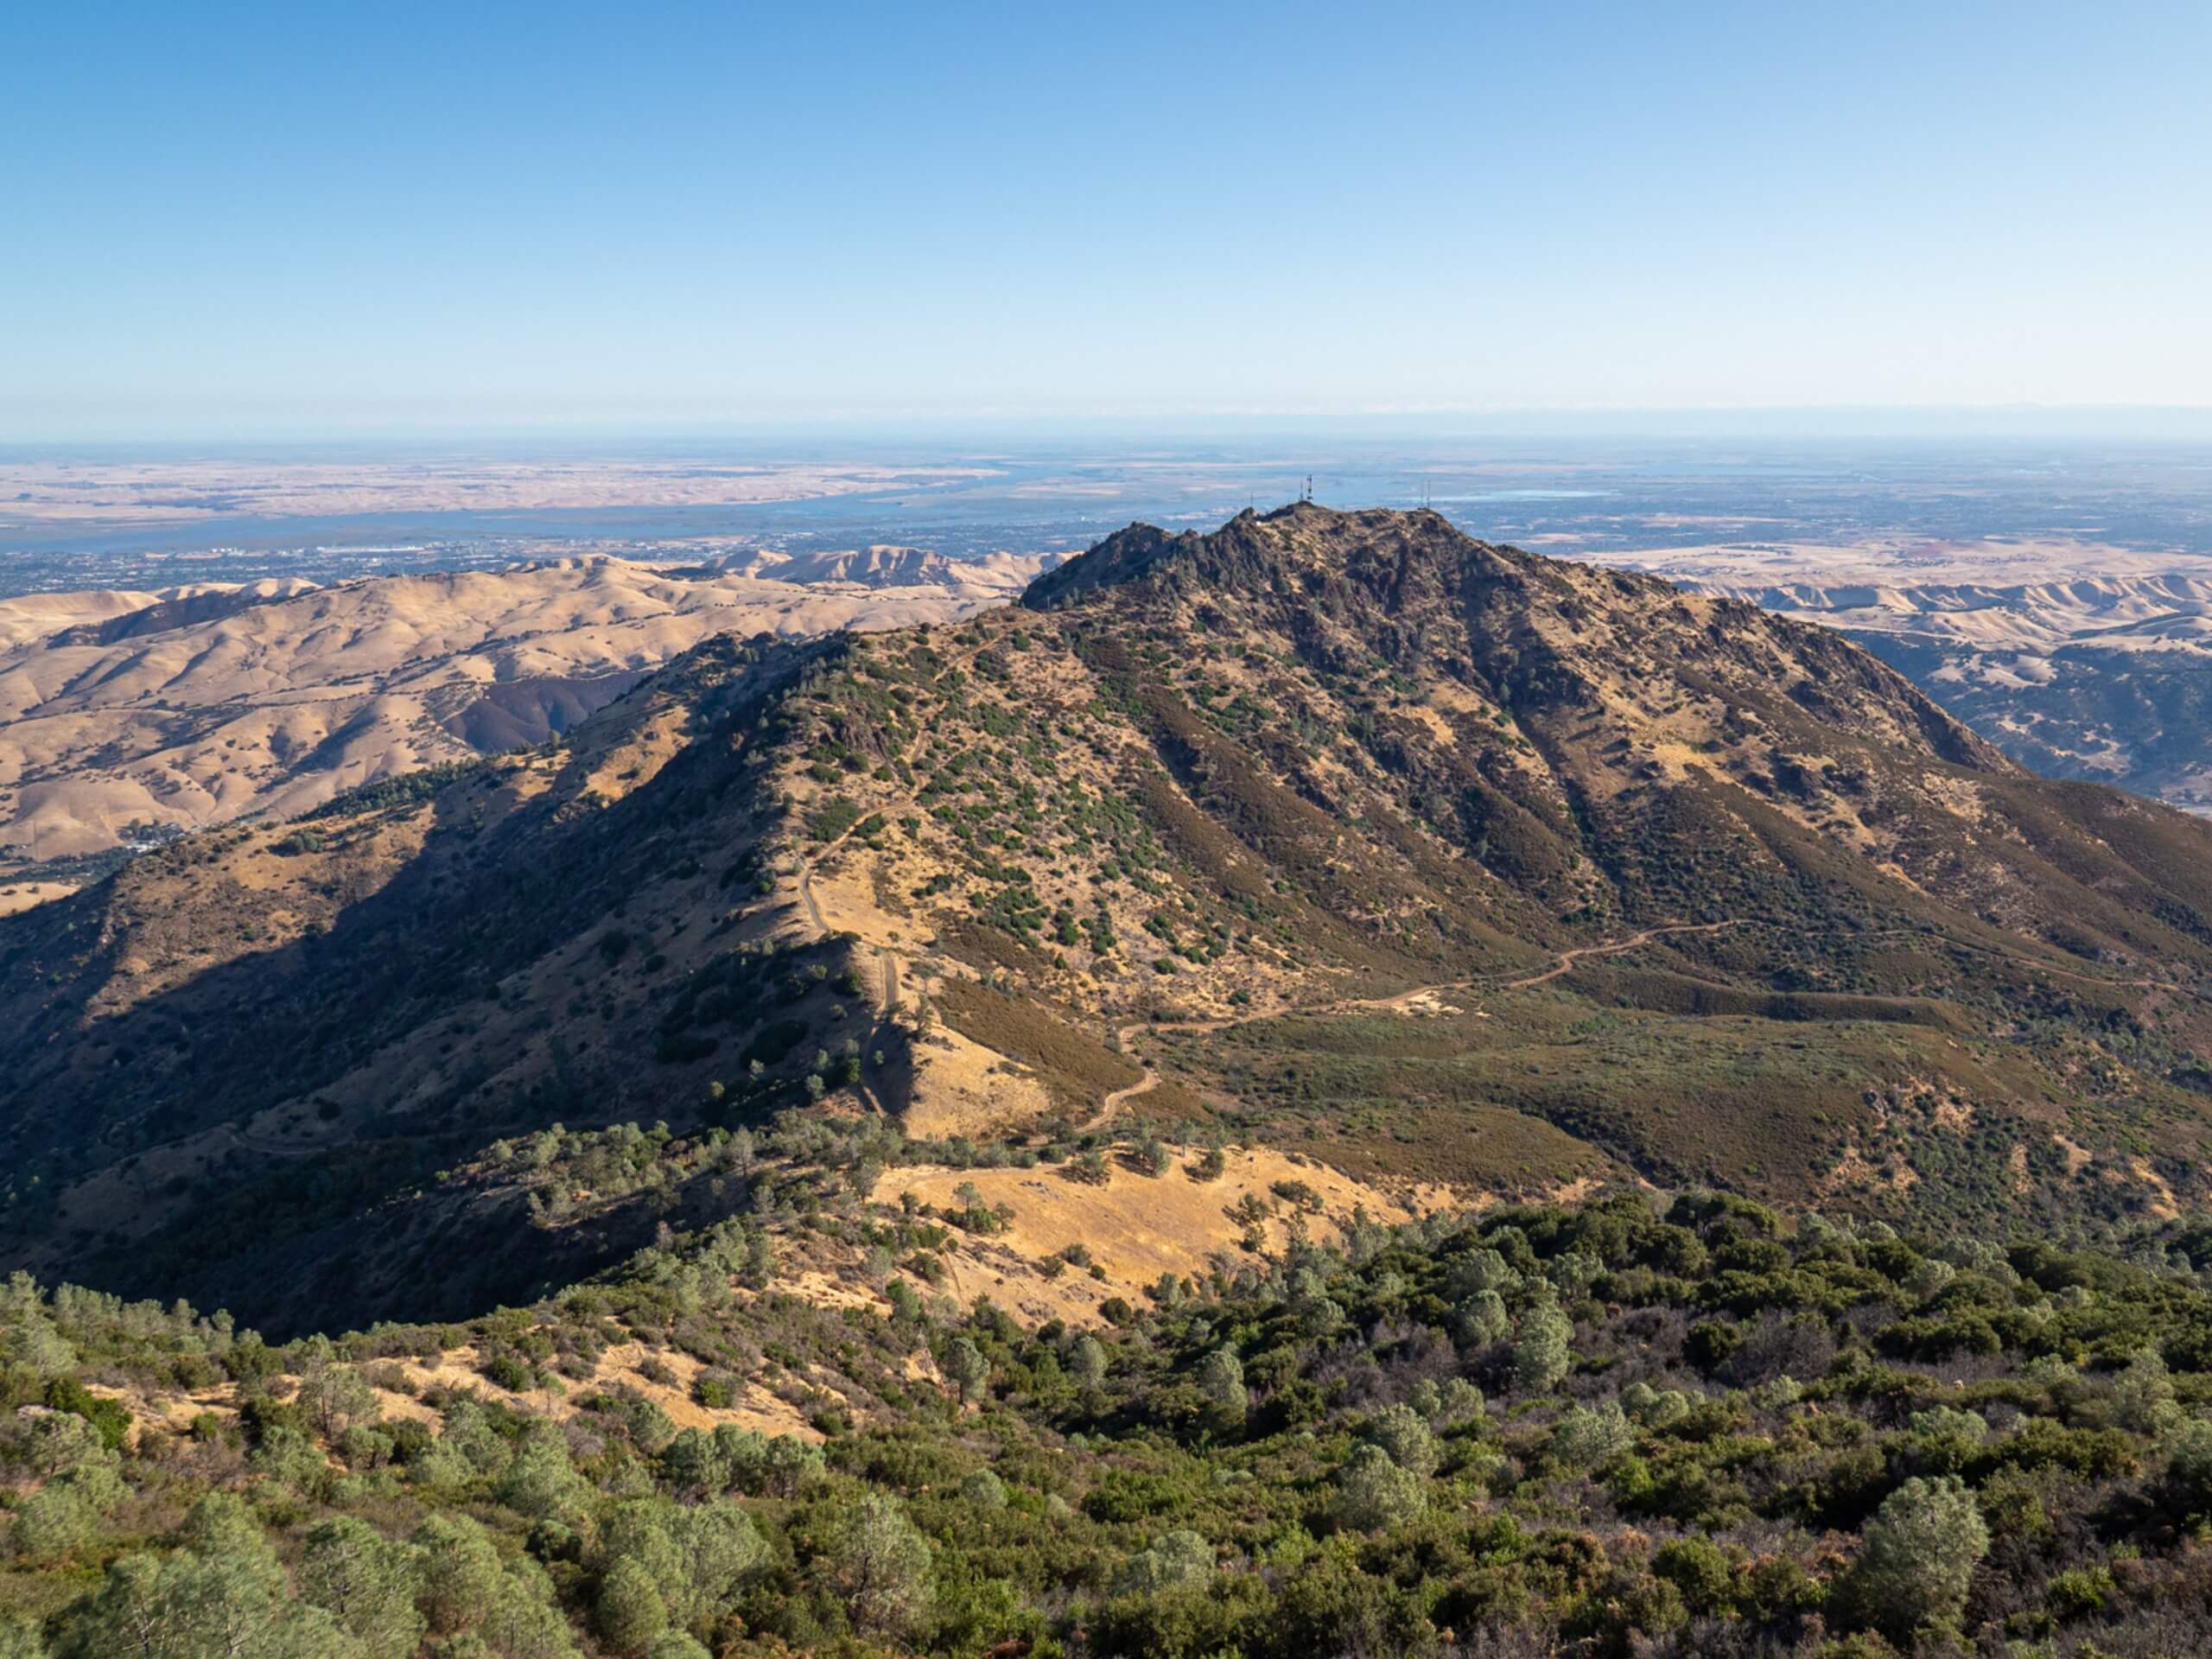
pixel 1568 958
pixel 1563 964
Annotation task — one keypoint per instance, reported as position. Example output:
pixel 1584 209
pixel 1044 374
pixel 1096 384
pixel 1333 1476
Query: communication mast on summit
pixel 1308 496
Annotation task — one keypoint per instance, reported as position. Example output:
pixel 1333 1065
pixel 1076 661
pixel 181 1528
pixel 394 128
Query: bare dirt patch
pixel 963 1088
pixel 1136 1228
pixel 2162 1206
pixel 758 1409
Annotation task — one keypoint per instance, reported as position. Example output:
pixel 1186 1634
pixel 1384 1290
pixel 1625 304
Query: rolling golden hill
pixel 127 717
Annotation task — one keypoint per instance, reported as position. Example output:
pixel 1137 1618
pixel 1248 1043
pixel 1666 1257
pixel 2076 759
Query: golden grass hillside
pixel 125 716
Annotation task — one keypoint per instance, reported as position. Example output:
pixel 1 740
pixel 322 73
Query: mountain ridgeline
pixel 1457 869
pixel 126 718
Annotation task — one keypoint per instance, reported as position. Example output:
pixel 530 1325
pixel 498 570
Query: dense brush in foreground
pixel 1592 1432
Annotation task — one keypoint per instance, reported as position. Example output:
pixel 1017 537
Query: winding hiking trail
pixel 2037 964
pixel 1148 1081
pixel 889 958
pixel 1564 963
pixel 806 898
pixel 1568 958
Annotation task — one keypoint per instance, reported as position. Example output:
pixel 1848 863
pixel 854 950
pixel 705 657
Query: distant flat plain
pixel 164 491
pixel 2057 595
pixel 1749 513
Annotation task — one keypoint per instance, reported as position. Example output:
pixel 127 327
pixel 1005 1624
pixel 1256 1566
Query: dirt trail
pixel 884 1020
pixel 1150 1080
pixel 1568 958
pixel 806 897
pixel 1399 1003
pixel 2021 959
pixel 2042 967
pixel 269 1148
pixel 889 958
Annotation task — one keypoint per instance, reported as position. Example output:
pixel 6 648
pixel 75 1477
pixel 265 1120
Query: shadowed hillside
pixel 1440 862
pixel 127 717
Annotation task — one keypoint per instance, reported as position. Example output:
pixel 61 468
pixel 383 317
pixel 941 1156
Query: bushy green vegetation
pixel 1530 1088
pixel 404 789
pixel 1693 1430
pixel 1306 763
pixel 1665 1427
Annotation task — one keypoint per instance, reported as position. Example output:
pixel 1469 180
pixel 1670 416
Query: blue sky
pixel 326 219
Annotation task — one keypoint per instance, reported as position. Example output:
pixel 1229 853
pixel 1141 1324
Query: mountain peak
pixel 1301 541
pixel 1410 591
pixel 1312 764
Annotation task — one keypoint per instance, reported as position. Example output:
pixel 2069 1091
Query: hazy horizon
pixel 2090 423
pixel 251 221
